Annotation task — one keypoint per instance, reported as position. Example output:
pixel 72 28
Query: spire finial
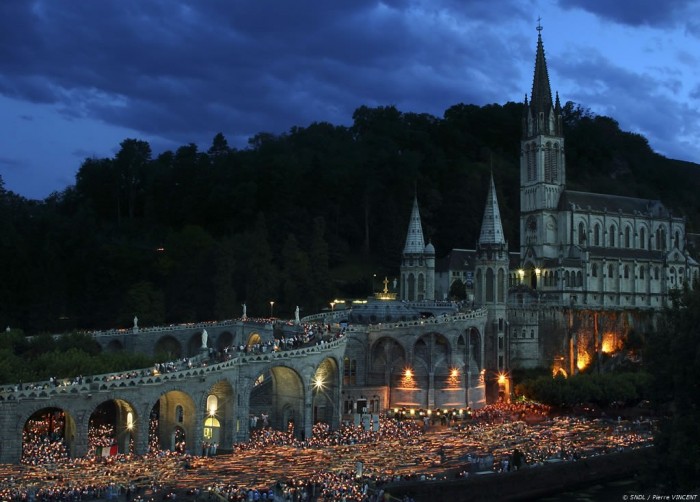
pixel 539 24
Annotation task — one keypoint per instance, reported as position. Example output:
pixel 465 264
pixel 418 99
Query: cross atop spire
pixel 539 24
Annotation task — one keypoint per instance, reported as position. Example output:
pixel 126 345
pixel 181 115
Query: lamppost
pixel 272 304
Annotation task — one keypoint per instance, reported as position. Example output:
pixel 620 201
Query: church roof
pixel 626 254
pixel 491 227
pixel 456 259
pixel 584 201
pixel 414 238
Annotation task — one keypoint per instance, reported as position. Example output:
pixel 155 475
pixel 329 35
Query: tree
pixel 146 302
pixel 673 354
pixel 130 163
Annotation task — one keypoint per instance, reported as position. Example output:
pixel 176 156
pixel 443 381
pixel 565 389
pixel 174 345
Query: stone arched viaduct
pixel 299 385
pixel 184 340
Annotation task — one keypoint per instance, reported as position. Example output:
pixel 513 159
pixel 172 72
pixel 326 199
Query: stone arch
pixel 550 227
pixel 326 392
pixel 387 357
pixel 501 295
pixel 194 343
pixel 224 340
pixel 218 409
pixel 173 419
pixel 114 421
pixel 581 233
pixel 114 346
pixel 479 287
pixel 474 352
pixel 611 235
pixel 48 425
pixel 279 393
pixel 431 351
pixel 490 280
pixel 254 338
pixel 168 347
pixel 411 287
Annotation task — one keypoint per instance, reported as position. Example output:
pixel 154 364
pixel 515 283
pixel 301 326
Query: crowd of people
pixel 352 463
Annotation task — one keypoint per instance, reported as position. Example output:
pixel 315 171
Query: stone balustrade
pixel 148 376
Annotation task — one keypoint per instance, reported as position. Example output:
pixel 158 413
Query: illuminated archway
pixel 326 387
pixel 172 421
pixel 279 395
pixel 253 339
pixel 112 423
pixel 48 436
pixel 219 414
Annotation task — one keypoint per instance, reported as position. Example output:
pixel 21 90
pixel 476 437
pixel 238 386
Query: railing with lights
pixel 109 382
pixel 442 319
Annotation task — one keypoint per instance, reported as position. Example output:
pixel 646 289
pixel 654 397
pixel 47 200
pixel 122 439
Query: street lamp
pixel 332 306
pixel 272 304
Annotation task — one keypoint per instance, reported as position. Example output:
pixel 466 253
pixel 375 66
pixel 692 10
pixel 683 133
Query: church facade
pixel 588 268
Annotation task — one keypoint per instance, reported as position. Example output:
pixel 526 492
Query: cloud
pixel 635 12
pixel 192 68
pixel 174 72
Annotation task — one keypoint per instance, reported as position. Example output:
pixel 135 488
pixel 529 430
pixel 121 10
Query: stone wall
pixel 530 483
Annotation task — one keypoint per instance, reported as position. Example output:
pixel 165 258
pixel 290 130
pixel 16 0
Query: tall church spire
pixel 541 100
pixel 541 104
pixel 491 227
pixel 414 239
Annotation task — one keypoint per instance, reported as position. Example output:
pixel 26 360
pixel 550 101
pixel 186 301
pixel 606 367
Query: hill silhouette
pixel 298 218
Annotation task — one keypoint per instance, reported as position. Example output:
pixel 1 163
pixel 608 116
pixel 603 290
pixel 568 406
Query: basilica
pixel 589 268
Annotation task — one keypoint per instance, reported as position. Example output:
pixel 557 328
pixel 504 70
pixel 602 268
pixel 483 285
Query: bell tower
pixel 542 165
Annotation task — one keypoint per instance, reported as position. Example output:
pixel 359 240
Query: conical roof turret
pixel 491 227
pixel 415 243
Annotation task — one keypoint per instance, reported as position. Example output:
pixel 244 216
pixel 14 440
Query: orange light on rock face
pixel 608 345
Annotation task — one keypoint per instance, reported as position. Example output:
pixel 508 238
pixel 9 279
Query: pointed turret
pixel 491 227
pixel 414 238
pixel 418 262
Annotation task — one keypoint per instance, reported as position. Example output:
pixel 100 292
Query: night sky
pixel 77 77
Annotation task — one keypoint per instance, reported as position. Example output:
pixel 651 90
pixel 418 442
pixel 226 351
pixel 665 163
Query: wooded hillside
pixel 298 218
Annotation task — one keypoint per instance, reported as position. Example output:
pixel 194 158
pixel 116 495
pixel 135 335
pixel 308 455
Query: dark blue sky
pixel 78 77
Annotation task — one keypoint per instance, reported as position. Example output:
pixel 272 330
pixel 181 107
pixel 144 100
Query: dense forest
pixel 299 218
